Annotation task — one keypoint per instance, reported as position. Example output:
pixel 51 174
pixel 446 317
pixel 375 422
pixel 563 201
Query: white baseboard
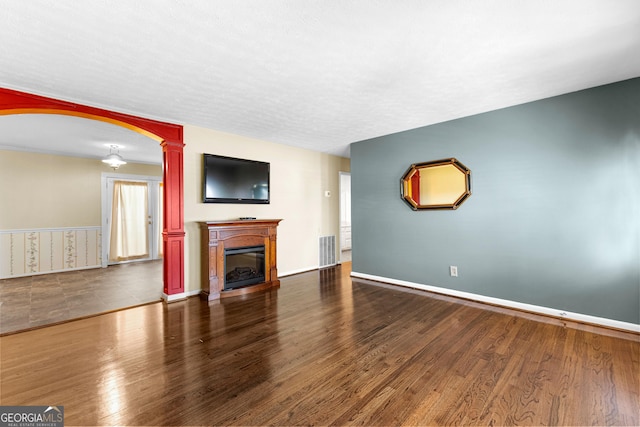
pixel 194 292
pixel 306 269
pixel 180 296
pixel 41 273
pixel 298 271
pixel 547 311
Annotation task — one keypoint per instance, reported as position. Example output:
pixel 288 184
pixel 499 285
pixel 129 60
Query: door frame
pixel 342 174
pixel 106 196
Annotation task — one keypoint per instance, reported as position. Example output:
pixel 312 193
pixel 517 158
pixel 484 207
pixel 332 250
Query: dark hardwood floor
pixel 325 349
pixel 35 301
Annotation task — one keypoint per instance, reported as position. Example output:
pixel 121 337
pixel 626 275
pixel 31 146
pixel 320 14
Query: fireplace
pixel 238 257
pixel 243 266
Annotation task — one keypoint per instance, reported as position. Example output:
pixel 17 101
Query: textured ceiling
pixel 314 74
pixel 75 136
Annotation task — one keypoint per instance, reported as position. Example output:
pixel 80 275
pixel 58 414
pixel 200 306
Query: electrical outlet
pixel 453 271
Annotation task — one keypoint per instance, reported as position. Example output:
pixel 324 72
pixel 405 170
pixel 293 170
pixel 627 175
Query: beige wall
pixel 299 179
pixel 42 190
pixel 45 191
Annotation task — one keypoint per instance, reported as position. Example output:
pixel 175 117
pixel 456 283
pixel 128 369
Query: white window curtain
pixel 130 219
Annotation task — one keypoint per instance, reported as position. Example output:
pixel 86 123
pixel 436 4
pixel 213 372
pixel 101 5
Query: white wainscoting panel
pixel 49 250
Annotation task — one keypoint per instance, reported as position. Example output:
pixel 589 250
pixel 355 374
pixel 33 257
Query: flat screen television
pixel 231 180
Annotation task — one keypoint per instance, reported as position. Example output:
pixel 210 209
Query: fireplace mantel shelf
pixel 216 236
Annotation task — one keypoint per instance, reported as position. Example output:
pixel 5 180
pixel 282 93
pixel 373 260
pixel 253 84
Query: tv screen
pixel 231 180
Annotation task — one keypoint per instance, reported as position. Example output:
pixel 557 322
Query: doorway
pixel 131 218
pixel 345 217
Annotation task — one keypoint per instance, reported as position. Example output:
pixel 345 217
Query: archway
pixel 171 140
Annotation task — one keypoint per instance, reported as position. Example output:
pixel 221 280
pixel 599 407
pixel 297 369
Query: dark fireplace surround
pixel 238 257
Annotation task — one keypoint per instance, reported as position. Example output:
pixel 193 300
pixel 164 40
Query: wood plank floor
pixel 325 349
pixel 35 301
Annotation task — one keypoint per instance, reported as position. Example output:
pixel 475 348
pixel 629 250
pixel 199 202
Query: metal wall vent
pixel 327 251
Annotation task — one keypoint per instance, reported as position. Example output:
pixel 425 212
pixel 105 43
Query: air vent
pixel 327 251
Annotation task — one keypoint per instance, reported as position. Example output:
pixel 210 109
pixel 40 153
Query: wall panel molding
pixel 29 252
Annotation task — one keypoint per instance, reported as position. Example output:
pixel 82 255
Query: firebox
pixel 243 266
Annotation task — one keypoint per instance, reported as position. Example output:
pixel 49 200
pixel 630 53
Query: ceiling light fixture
pixel 114 159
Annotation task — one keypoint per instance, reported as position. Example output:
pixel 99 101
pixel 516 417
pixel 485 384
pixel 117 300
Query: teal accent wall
pixel 554 218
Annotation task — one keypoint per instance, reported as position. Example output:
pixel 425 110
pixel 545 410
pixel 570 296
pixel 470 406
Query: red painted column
pixel 173 210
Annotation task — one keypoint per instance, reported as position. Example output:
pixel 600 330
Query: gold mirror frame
pixel 439 184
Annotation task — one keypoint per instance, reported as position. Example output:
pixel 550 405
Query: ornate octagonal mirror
pixel 440 184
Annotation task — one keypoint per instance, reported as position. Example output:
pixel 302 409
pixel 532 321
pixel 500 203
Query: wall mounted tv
pixel 231 180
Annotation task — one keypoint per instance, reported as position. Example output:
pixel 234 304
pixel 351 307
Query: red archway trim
pixel 171 140
pixel 83 115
